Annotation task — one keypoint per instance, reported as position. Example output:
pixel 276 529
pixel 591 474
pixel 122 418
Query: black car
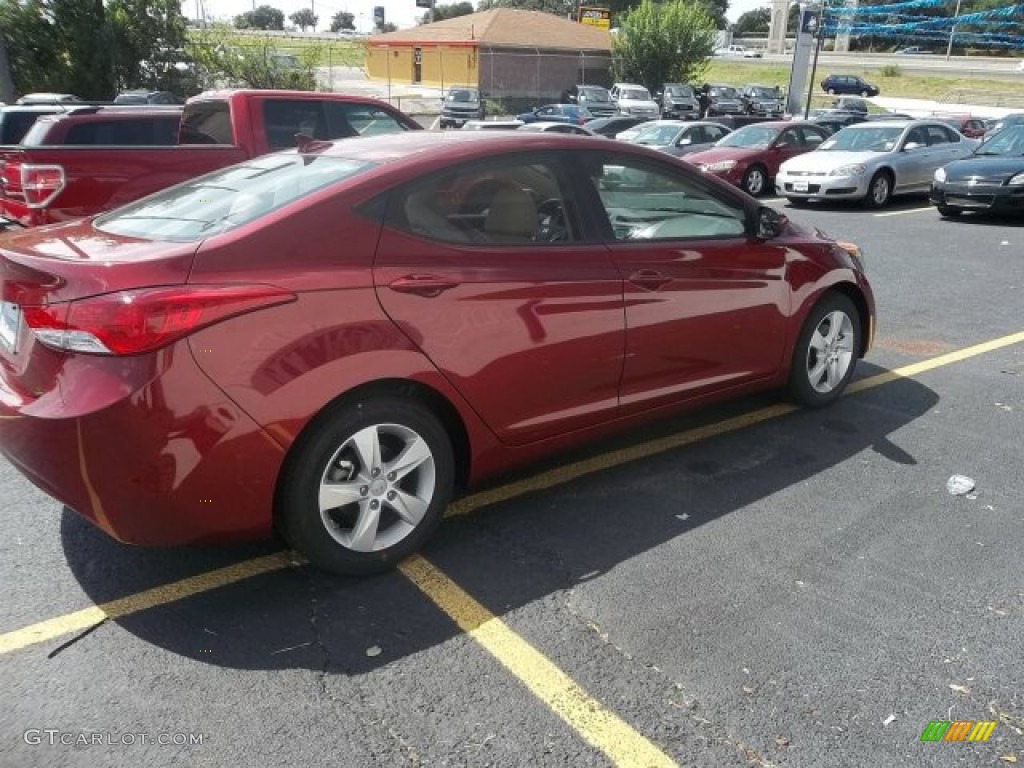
pixel 611 126
pixel 849 84
pixel 595 98
pixel 678 101
pixel 991 179
pixel 762 100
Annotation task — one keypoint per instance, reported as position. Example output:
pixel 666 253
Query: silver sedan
pixel 679 138
pixel 872 162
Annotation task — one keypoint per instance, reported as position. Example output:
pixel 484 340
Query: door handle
pixel 428 286
pixel 649 279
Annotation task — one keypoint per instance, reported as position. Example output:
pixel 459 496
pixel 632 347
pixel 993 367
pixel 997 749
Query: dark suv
pixel 461 104
pixel 725 100
pixel 594 98
pixel 849 84
pixel 762 100
pixel 678 101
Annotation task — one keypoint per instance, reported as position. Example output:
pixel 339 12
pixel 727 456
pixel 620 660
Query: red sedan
pixel 329 341
pixel 750 156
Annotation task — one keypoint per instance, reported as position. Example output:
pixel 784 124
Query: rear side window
pixel 206 122
pixel 228 198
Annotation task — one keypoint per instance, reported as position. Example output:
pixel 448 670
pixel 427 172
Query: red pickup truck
pixel 43 185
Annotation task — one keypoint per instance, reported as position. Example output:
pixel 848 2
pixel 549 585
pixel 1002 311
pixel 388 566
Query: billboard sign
pixel 596 17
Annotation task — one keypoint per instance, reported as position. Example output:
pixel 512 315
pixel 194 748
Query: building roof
pixel 504 27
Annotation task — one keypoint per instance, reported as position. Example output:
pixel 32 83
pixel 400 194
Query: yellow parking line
pixel 598 726
pixel 903 213
pixel 140 601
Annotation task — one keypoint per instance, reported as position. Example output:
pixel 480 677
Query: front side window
pixel 227 199
pixel 520 202
pixel 647 201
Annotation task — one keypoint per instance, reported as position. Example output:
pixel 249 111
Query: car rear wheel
pixel 754 180
pixel 949 212
pixel 831 91
pixel 826 351
pixel 366 486
pixel 879 190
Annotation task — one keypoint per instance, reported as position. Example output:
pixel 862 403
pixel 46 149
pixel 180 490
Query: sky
pixel 403 13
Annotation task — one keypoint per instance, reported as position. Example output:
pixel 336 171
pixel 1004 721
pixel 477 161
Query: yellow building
pixel 505 52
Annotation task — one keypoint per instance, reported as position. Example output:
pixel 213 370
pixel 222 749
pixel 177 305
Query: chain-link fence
pixel 518 77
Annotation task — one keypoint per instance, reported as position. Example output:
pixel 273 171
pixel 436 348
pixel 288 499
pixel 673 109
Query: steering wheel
pixel 551 221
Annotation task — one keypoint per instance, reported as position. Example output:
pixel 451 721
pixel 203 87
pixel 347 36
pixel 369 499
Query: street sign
pixel 596 17
pixel 378 15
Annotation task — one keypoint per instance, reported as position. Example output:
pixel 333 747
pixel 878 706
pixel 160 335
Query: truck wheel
pixel 367 486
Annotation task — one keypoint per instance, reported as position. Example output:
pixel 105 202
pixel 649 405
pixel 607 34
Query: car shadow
pixel 901 203
pixel 988 219
pixel 507 554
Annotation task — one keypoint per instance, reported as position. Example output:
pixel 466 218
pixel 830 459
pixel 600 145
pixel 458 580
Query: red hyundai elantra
pixel 328 341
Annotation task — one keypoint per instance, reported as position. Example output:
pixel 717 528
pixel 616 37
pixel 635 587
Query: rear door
pixel 485 268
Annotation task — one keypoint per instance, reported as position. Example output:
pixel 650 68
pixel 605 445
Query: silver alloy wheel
pixel 377 487
pixel 754 182
pixel 880 190
pixel 830 352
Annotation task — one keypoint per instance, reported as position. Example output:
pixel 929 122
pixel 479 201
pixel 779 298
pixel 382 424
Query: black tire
pixel 831 91
pixel 817 391
pixel 755 180
pixel 879 190
pixel 326 457
pixel 948 212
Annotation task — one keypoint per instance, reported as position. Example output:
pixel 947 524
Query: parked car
pixel 913 50
pixel 1014 118
pixel 542 127
pixel 872 162
pixel 42 185
pixel 16 120
pixel 211 365
pixel 762 100
pixel 851 104
pixel 851 84
pixel 144 96
pixel 679 138
pixel 595 98
pixel 990 179
pixel 678 101
pixel 461 104
pixel 634 100
pixel 48 98
pixel 834 120
pixel 971 127
pixel 724 100
pixel 612 126
pixel 750 156
pixel 107 126
pixel 556 113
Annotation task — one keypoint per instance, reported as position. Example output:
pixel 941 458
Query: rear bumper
pixel 146 448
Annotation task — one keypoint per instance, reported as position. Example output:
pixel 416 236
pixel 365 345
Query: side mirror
pixel 684 141
pixel 769 223
pixel 911 145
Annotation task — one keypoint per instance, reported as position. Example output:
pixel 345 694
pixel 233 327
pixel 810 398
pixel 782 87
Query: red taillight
pixel 132 322
pixel 41 183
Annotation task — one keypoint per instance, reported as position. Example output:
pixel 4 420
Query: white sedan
pixel 873 161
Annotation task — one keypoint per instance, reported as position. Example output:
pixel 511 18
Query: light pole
pixel 816 32
pixel 952 30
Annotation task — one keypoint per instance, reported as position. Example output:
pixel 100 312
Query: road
pixel 750 585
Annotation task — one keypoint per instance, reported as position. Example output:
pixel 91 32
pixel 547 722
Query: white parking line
pixel 901 213
pixel 774 200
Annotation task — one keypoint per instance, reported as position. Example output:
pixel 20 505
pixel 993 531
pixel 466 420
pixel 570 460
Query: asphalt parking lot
pixel 750 585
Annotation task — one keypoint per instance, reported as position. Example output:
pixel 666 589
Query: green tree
pixel 450 11
pixel 149 45
pixel 253 65
pixel 33 47
pixel 343 20
pixel 557 7
pixel 386 27
pixel 264 17
pixel 753 23
pixel 717 9
pixel 85 47
pixel 304 18
pixel 663 42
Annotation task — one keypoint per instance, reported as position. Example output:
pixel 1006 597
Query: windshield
pixel 680 91
pixel 635 94
pixel 226 199
pixel 764 93
pixel 751 137
pixel 462 95
pixel 594 94
pixel 862 138
pixel 1008 142
pixel 724 92
pixel 657 135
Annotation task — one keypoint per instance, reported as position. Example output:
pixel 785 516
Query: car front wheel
pixel 826 351
pixel 754 180
pixel 879 190
pixel 366 486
